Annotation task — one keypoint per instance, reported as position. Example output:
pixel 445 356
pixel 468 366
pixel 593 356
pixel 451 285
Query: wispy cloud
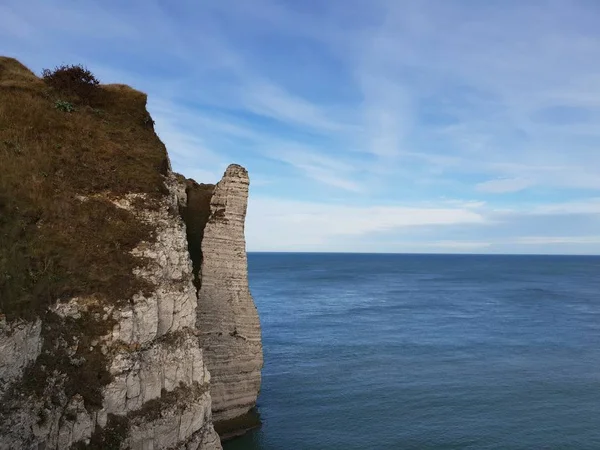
pixel 448 225
pixel 270 100
pixel 319 167
pixel 312 224
pixel 545 240
pixel 587 206
pixel 501 186
pixel 453 245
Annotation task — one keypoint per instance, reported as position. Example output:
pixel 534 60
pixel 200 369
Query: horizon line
pixel 422 253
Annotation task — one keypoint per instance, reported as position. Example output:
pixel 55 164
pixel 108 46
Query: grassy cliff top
pixel 57 144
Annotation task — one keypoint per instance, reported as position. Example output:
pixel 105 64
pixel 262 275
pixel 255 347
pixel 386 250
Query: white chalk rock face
pixel 20 344
pixel 227 320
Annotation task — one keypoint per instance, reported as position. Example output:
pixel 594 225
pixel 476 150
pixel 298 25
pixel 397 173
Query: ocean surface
pixel 427 352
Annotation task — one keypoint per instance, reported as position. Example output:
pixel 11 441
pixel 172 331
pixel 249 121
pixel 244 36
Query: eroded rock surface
pixel 20 344
pixel 227 320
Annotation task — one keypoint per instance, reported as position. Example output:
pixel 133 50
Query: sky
pixel 435 126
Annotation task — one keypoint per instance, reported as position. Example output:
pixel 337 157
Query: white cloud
pixel 275 224
pixel 586 206
pixel 452 245
pixel 466 203
pixel 553 240
pixel 288 225
pixel 503 185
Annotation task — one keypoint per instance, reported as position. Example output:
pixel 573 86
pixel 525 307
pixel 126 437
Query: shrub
pixel 73 80
pixel 64 106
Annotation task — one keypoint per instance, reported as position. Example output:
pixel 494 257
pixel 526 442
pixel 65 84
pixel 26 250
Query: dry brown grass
pixel 52 244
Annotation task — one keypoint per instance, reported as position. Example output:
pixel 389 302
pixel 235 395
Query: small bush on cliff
pixel 73 80
pixel 64 106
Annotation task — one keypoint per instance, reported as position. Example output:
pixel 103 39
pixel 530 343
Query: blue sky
pixel 366 125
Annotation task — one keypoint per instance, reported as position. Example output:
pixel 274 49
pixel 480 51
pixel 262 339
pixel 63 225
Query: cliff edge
pixel 103 317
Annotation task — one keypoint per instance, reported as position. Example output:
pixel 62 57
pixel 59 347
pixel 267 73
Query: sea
pixel 377 351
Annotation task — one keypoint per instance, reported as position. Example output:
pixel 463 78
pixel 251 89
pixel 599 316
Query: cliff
pixel 115 277
pixel 228 318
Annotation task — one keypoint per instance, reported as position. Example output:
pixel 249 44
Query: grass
pixel 60 235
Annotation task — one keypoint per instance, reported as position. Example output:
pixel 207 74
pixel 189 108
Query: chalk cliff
pixel 152 342
pixel 226 315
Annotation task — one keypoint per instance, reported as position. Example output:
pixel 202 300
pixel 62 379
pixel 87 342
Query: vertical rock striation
pixel 227 319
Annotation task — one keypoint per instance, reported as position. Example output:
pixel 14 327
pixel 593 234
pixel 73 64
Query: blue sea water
pixel 427 352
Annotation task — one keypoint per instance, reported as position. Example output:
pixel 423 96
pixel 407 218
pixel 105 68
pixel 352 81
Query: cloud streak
pixel 501 186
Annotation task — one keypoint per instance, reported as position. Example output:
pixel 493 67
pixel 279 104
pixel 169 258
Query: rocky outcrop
pixel 227 319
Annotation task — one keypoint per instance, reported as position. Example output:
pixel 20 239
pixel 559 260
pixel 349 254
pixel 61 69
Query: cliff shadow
pixel 195 216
